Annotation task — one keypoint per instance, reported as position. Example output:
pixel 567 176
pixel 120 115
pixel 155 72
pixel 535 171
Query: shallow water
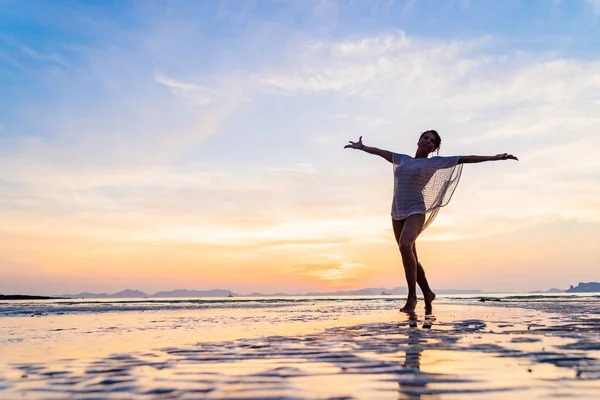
pixel 310 348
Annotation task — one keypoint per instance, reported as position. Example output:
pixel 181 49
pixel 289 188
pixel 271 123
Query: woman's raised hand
pixel 505 156
pixel 355 145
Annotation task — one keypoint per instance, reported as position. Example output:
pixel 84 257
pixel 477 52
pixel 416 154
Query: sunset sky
pixel 158 145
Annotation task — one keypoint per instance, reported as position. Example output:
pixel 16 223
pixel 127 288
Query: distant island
pixel 584 287
pixel 553 290
pixel 26 297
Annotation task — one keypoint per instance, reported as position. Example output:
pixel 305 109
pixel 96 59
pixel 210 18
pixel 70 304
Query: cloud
pixel 111 118
pixel 195 93
pixel 50 57
pixel 540 108
pixel 24 55
pixel 494 103
pixel 369 123
pixel 388 66
pixel 585 216
pixel 333 274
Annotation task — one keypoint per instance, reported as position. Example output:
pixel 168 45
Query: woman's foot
pixel 409 307
pixel 429 297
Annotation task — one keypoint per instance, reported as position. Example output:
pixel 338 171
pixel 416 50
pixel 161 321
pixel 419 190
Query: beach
pixel 301 348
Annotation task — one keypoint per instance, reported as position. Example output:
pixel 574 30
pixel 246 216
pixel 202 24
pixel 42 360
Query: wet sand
pixel 320 351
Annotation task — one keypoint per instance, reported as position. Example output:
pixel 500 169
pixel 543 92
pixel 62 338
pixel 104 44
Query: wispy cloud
pixel 190 91
pixel 380 66
pixel 334 274
pixel 51 57
pixel 369 123
pixel 44 56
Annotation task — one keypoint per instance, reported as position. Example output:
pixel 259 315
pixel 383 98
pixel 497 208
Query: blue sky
pixel 132 131
pixel 48 47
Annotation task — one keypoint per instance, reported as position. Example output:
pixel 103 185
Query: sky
pixel 160 145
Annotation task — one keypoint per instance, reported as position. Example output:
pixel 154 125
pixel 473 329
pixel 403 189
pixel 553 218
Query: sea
pixel 582 303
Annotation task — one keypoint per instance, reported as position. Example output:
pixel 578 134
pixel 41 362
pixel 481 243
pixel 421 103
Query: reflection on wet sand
pixel 412 389
pixel 406 356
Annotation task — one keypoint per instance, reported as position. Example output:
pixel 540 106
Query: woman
pixel 422 185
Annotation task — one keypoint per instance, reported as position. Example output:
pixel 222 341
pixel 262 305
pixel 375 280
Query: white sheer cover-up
pixel 423 185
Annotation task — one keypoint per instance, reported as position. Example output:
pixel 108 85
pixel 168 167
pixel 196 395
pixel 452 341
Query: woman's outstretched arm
pixel 478 159
pixel 371 150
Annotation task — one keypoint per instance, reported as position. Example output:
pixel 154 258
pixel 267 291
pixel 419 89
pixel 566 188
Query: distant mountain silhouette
pixel 584 287
pixel 124 294
pixel 88 295
pixel 194 293
pixel 553 290
pixel 128 293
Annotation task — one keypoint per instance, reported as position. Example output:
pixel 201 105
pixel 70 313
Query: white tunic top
pixel 423 185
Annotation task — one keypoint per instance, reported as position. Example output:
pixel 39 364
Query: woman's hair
pixel 438 139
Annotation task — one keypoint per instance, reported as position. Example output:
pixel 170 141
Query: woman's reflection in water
pixel 411 385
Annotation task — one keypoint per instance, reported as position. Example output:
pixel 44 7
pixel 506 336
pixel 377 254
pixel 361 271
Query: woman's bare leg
pixel 412 227
pixel 428 294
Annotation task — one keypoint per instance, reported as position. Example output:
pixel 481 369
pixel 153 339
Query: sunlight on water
pixel 518 347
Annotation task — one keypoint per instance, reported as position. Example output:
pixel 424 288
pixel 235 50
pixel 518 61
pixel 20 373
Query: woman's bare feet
pixel 429 297
pixel 409 307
